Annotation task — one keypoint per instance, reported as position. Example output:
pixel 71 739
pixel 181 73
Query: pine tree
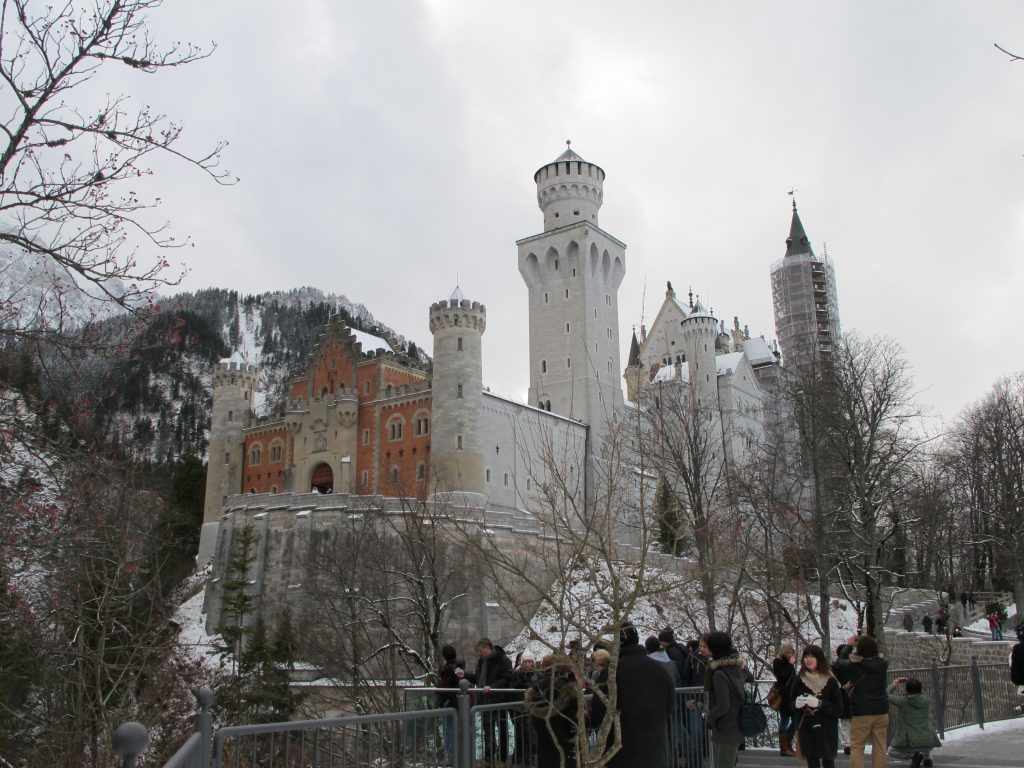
pixel 237 606
pixel 670 524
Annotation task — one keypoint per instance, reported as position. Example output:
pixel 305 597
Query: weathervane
pixel 792 193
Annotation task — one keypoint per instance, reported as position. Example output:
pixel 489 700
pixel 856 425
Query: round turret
pixel 234 392
pixel 700 331
pixel 456 456
pixel 569 190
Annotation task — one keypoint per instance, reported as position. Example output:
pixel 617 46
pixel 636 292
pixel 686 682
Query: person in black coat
pixel 816 697
pixel 783 668
pixel 644 699
pixel 1017 660
pixel 493 670
pixel 843 651
pixel 865 673
pixel 676 652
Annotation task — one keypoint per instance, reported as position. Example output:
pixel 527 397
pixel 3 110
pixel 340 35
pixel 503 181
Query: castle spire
pixel 634 351
pixel 797 241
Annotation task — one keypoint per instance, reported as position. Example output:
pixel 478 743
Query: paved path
pixel 1000 745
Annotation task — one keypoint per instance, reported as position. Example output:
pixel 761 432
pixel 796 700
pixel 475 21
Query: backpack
pixel 751 719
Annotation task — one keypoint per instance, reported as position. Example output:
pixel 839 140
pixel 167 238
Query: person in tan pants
pixel 864 673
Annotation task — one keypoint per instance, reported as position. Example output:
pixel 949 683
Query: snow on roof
pixel 758 351
pixel 722 363
pixel 236 357
pixel 725 362
pixel 370 342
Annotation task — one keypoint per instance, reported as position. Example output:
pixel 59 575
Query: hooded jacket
pixel 725 682
pixel 867 676
pixel 913 729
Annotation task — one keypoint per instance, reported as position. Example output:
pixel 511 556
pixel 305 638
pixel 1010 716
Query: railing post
pixel 129 741
pixel 938 700
pixel 979 704
pixel 204 723
pixel 464 750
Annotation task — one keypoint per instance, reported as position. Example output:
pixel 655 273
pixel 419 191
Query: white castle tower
pixel 700 329
pixel 456 452
pixel 573 270
pixel 234 391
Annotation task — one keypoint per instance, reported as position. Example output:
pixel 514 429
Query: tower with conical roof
pixel 572 271
pixel 805 300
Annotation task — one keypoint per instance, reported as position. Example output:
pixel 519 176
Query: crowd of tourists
pixel 824 704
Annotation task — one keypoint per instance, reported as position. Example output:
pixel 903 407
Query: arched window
pixel 395 428
pixel 255 455
pixel 393 474
pixel 276 451
pixel 421 471
pixel 421 423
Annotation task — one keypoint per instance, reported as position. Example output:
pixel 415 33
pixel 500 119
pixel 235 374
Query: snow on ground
pixel 971 732
pixel 193 641
pixel 579 607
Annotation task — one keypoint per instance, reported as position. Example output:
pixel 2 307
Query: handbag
pixel 775 698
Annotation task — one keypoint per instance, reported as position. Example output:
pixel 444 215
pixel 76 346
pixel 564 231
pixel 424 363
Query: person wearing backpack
pixel 724 685
pixel 817 699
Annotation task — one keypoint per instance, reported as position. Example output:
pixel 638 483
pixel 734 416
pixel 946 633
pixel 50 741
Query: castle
pixel 364 424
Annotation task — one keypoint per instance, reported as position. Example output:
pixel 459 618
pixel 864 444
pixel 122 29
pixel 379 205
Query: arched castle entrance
pixel 322 479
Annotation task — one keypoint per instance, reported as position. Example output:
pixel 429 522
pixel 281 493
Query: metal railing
pixel 492 729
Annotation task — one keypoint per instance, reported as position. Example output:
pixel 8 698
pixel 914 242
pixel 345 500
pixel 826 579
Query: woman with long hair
pixel 784 667
pixel 817 701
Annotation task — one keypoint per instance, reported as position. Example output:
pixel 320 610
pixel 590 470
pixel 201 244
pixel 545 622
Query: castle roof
pixel 567 155
pixel 723 363
pixel 370 342
pixel 797 242
pixel 634 351
pixel 457 295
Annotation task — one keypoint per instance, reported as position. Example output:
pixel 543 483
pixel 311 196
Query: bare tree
pixel 73 217
pixel 986 453
pixel 386 587
pixel 873 434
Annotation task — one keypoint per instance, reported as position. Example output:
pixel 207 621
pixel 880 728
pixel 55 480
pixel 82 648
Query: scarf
pixel 816 681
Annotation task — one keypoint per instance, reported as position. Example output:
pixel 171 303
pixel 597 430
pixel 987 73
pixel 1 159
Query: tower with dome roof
pixel 573 270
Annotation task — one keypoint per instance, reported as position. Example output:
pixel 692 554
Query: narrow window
pixel 460 344
pixel 227 458
pixel 545 301
pixel 543 366
pixel 568 362
pixel 421 471
pixel 231 415
pixel 566 327
pixel 364 478
pixel 527 483
pixel 506 479
pixel 556 263
pixel 459 395
pixel 366 437
pixel 567 293
pixel 488 476
pixel 394 474
pixel 458 442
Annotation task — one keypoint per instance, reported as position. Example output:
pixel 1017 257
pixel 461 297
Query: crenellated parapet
pixel 458 313
pixel 232 372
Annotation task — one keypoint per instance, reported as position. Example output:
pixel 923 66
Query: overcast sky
pixel 387 149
